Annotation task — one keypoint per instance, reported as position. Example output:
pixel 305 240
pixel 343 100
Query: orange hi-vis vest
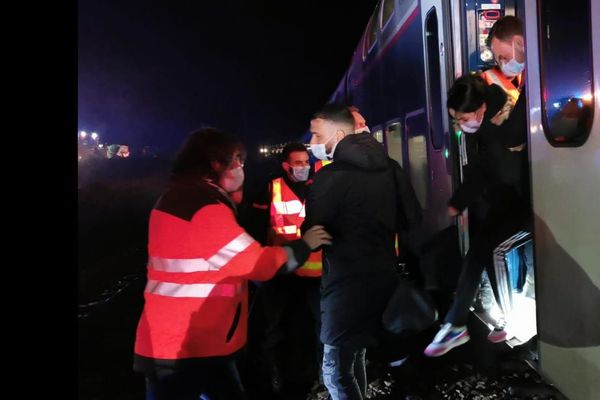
pixel 287 215
pixel 495 76
pixel 199 264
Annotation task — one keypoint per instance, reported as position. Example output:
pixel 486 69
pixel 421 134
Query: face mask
pixel 320 152
pixel 300 173
pixel 233 179
pixel 513 67
pixel 470 126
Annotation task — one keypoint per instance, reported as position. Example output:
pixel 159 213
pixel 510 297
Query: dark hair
pixel 291 148
pixel 505 28
pixel 467 94
pixel 336 112
pixel 201 148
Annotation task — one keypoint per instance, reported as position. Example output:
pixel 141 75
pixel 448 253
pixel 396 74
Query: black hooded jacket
pixel 363 199
pixel 494 174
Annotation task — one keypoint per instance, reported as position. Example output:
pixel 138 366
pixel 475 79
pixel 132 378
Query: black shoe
pixel 276 379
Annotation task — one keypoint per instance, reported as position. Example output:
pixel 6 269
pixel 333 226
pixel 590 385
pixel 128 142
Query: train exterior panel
pixel 565 181
pixel 408 57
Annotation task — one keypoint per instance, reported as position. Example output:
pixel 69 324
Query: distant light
pixel 458 133
pixel 556 105
pixel 101 145
pixel 83 134
pixel 94 135
pixel 446 153
pixel 587 97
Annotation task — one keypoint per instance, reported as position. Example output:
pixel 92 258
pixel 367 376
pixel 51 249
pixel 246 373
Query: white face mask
pixel 233 179
pixel 470 126
pixel 320 151
pixel 513 67
pixel 300 174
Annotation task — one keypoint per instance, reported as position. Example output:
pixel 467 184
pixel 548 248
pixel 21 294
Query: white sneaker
pixel 446 339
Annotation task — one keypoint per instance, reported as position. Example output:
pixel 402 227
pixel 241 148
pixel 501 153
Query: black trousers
pixel 499 225
pixel 213 378
pixel 276 298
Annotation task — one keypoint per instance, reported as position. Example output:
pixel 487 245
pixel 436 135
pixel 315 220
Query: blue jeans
pixel 344 372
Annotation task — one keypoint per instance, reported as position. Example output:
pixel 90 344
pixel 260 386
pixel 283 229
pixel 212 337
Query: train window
pixel 435 84
pixel 372 30
pixel 378 135
pixel 388 10
pixel 416 127
pixel 393 138
pixel 566 71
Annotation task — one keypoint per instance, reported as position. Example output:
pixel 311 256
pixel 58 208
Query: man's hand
pixel 518 148
pixel 453 212
pixel 316 236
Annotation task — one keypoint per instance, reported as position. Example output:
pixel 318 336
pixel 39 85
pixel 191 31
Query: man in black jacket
pixel 363 199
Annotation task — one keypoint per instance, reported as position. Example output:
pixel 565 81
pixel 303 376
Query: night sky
pixel 150 72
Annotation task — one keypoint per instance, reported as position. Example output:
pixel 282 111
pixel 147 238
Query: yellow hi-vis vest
pixel 494 75
pixel 287 215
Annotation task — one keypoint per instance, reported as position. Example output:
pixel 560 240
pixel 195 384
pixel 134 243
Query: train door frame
pixel 440 181
pixel 565 229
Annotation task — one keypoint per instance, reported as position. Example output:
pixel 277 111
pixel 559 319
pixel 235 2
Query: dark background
pixel 150 72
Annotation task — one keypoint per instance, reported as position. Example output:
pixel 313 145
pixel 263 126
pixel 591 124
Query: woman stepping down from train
pixel 495 183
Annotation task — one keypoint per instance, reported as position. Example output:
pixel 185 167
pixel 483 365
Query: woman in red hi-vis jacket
pixel 199 263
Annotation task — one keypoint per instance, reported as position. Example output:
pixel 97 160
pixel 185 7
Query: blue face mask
pixel 513 67
pixel 320 152
pixel 300 173
pixel 470 126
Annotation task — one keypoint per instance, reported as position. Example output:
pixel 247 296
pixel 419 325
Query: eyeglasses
pixel 239 160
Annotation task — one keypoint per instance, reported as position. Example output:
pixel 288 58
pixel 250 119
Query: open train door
pixel 563 84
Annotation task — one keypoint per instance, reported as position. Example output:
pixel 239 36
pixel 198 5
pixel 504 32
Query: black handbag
pixel 409 309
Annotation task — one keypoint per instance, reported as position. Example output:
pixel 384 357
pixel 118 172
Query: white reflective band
pixel 288 207
pixel 288 229
pixel 230 250
pixel 201 290
pixel 187 265
pixel 179 265
pixel 302 212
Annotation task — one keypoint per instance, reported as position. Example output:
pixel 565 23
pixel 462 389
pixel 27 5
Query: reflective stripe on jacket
pixel 200 259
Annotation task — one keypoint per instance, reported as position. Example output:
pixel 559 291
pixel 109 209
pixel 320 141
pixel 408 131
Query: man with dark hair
pixel 365 198
pixel 282 205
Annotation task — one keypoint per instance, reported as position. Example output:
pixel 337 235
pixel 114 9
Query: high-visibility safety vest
pixel 320 164
pixel 495 76
pixel 200 261
pixel 287 215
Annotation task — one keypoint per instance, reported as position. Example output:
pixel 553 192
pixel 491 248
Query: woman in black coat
pixel 496 180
